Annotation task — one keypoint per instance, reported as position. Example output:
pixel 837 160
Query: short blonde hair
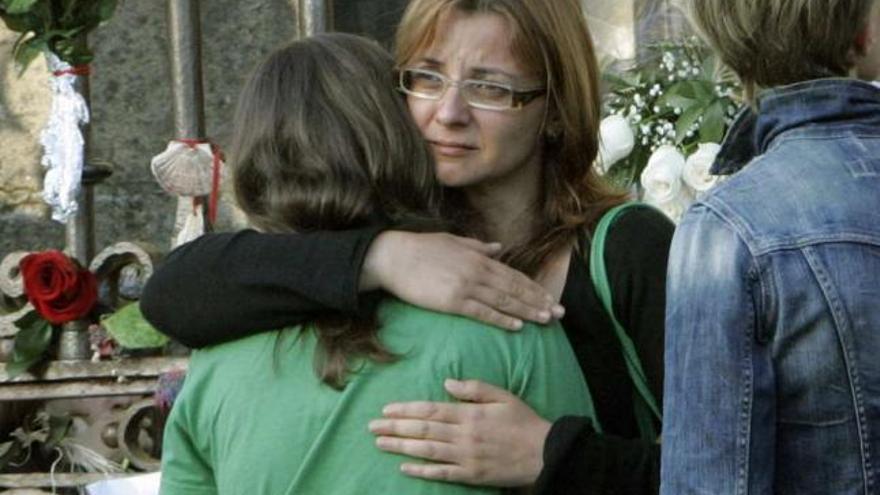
pixel 777 42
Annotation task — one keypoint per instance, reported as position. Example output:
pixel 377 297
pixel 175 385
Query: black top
pixel 226 286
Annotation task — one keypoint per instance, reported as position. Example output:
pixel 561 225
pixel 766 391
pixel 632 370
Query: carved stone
pixel 11 284
pixel 7 321
pixel 122 271
pixel 139 435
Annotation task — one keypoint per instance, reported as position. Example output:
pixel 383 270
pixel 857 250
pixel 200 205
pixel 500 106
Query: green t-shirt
pixel 253 418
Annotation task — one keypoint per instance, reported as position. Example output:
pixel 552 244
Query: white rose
pixel 673 208
pixel 616 141
pixel 661 178
pixel 696 168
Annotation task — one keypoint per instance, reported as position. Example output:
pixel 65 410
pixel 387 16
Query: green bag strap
pixel 645 409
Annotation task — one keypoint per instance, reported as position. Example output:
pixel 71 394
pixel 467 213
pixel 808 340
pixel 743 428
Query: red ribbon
pixel 215 179
pixel 78 70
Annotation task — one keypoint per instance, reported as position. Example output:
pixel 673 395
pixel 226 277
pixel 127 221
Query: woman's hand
pixel 457 275
pixel 494 439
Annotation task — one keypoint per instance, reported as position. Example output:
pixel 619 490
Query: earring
pixel 553 132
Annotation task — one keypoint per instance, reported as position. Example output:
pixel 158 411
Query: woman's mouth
pixel 451 148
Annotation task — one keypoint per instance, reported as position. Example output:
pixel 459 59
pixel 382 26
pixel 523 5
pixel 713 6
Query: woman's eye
pixel 489 91
pixel 427 80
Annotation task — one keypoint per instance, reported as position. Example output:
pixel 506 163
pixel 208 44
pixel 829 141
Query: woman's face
pixel 477 147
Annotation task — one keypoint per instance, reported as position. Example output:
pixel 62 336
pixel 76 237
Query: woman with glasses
pixel 285 411
pixel 505 92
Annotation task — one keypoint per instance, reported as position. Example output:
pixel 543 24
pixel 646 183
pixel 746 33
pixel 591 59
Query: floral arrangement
pixel 62 291
pixel 56 26
pixel 665 120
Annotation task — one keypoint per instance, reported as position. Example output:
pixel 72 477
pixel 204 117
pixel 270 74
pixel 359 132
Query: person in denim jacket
pixel 773 296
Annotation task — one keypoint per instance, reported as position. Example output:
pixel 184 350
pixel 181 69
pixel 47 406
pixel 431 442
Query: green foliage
pixel 59 26
pixel 679 95
pixel 128 327
pixel 31 343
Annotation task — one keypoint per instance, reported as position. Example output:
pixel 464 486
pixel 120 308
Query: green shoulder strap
pixel 644 403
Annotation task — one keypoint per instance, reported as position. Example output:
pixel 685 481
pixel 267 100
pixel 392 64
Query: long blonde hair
pixel 551 38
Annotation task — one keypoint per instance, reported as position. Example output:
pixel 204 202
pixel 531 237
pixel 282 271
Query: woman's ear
pixel 865 51
pixel 863 41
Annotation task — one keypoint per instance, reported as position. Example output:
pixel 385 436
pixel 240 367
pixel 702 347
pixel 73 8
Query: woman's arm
pixel 636 256
pixel 225 286
pixel 578 460
pixel 474 441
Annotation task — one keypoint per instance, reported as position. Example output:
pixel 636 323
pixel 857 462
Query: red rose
pixel 58 287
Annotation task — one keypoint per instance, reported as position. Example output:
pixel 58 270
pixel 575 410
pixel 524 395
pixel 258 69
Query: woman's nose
pixel 453 110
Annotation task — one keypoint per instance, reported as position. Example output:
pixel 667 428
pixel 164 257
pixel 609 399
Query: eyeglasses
pixel 485 95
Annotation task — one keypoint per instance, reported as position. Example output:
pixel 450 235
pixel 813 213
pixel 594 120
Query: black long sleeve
pixel 225 286
pixel 577 459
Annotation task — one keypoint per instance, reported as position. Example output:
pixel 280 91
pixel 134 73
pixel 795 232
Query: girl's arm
pixel 225 286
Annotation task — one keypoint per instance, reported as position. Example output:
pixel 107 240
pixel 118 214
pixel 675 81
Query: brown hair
pixel 323 142
pixel 776 42
pixel 551 38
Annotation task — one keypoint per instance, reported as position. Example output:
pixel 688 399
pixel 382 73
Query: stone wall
pixel 131 115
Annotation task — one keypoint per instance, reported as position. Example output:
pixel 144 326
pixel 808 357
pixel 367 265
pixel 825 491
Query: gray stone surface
pixel 131 115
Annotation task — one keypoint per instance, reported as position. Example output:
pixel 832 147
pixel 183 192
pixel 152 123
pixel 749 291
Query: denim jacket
pixel 773 305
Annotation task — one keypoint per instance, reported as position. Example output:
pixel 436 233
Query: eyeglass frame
pixel 519 97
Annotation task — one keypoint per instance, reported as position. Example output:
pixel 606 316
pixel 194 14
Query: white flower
pixel 616 141
pixel 661 178
pixel 696 169
pixel 662 182
pixel 675 207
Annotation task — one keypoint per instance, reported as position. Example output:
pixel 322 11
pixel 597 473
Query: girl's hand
pixel 456 275
pixel 494 439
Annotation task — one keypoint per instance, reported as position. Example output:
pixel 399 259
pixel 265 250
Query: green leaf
pixel 27 320
pixel 58 428
pixel 676 101
pixel 615 81
pixel 704 91
pixel 709 68
pixel 20 6
pixel 29 347
pixel 5 448
pixel 129 328
pixel 712 128
pixel 27 52
pixel 22 23
pixel 686 121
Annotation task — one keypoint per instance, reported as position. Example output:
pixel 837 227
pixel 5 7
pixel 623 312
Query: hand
pixel 495 439
pixel 456 275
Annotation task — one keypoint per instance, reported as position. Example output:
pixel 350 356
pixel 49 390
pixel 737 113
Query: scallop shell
pixel 185 170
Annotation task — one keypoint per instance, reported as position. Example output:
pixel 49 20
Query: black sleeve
pixel 578 461
pixel 225 286
pixel 636 254
pixel 576 458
